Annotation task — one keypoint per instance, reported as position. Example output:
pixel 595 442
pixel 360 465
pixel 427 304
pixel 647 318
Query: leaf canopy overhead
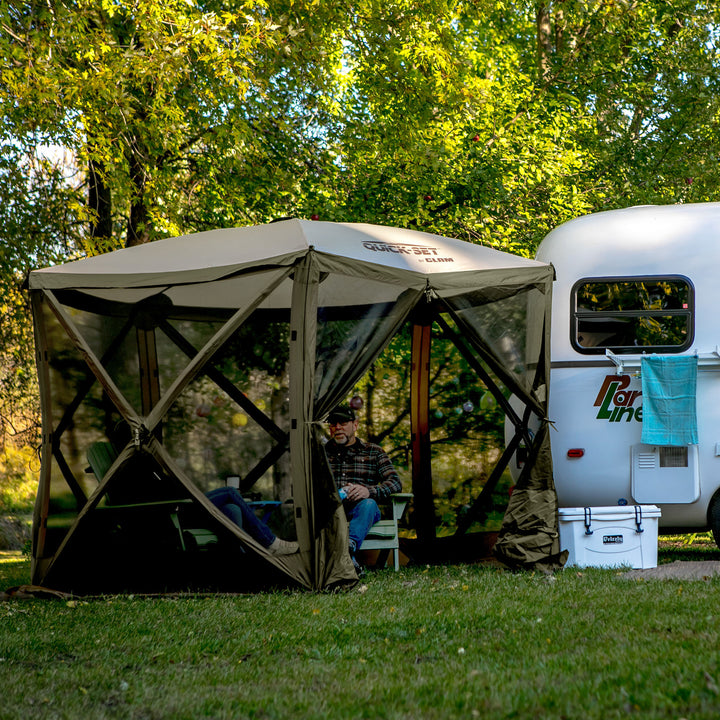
pixel 489 121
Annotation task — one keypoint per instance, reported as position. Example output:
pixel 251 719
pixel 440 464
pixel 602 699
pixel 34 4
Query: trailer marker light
pixel 575 452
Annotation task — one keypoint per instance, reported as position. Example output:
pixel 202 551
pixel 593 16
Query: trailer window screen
pixel 632 314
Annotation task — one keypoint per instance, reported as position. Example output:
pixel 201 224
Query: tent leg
pixel 424 514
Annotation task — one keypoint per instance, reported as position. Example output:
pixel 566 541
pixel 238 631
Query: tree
pixel 445 128
pixel 176 111
pixel 130 89
pixel 647 74
pixel 480 121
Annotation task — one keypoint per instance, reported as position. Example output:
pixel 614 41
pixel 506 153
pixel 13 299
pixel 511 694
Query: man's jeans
pixel 231 503
pixel 362 516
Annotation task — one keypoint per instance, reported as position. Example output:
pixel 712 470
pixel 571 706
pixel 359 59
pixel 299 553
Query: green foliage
pixel 19 468
pixel 484 122
pixel 444 129
pixel 37 220
pixel 187 114
pixel 646 73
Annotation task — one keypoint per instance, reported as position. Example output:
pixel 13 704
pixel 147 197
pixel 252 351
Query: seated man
pixel 231 503
pixel 362 471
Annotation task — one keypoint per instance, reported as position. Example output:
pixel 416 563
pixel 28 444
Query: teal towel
pixel 669 415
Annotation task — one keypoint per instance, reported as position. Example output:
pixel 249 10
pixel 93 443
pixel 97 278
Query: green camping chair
pixel 101 455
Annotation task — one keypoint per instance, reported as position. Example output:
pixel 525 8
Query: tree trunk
pixel 138 226
pixel 99 202
pixel 544 39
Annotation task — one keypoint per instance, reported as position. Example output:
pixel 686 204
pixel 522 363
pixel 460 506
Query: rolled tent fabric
pixel 669 386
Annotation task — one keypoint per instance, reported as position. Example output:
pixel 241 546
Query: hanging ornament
pixel 260 404
pixel 239 420
pixel 439 414
pixel 356 402
pixel 458 411
pixel 468 407
pixel 203 409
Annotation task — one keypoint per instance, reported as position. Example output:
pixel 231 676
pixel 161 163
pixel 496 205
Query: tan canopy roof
pixel 362 250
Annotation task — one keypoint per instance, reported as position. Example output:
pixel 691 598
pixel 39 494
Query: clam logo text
pixel 616 401
pixel 423 254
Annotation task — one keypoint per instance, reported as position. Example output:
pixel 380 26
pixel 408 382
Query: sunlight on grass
pixel 694 546
pixel 14 569
pixel 696 539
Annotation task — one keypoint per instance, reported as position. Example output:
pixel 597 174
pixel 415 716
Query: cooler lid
pixel 610 512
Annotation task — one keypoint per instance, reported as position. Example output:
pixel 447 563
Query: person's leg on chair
pixel 232 504
pixel 361 516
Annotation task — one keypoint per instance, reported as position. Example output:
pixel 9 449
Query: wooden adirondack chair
pixel 383 535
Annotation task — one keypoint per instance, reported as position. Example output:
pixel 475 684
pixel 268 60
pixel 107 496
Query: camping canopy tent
pixel 218 354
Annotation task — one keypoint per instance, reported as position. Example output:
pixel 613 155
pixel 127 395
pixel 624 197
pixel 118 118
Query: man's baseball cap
pixel 341 414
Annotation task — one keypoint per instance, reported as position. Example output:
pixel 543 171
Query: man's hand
pixel 356 492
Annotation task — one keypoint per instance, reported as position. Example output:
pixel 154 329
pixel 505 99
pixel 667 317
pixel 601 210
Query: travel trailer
pixel 643 280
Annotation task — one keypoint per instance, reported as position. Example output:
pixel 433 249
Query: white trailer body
pixel 634 281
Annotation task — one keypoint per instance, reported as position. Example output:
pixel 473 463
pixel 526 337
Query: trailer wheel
pixel 714 518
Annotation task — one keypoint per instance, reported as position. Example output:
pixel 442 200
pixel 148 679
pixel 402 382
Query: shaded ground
pixel 681 557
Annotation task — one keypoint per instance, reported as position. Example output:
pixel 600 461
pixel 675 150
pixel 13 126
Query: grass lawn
pixel 429 642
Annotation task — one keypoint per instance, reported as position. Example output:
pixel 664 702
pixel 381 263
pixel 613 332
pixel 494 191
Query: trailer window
pixel 632 314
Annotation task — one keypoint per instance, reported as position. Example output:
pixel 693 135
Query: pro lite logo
pixel 424 254
pixel 616 401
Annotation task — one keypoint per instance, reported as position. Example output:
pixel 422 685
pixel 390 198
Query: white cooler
pixel 610 536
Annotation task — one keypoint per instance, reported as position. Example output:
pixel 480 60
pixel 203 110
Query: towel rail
pixel 631 364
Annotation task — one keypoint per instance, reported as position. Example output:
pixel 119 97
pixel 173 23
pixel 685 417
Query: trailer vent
pixel 673 457
pixel 646 461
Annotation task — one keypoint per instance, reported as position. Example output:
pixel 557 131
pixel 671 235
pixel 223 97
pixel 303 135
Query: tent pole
pixel 420 432
pixel 92 361
pixel 302 365
pixel 479 509
pixel 42 502
pixel 149 374
pixel 264 464
pixel 84 388
pixel 198 363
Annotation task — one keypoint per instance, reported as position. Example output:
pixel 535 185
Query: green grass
pixel 430 642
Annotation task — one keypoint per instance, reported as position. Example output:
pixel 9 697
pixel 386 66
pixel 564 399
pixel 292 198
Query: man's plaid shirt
pixel 365 464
